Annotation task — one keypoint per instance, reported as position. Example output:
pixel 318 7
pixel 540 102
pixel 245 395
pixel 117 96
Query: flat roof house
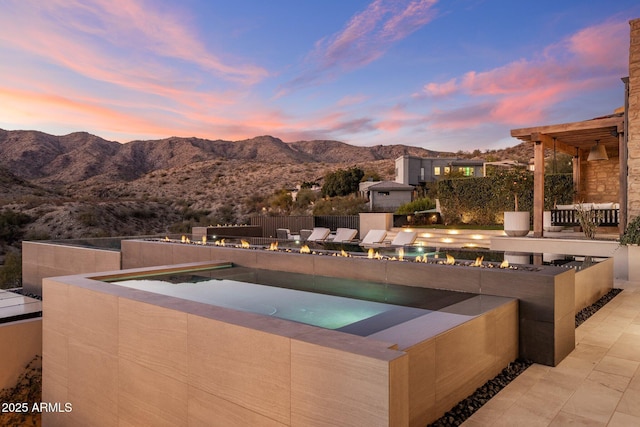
pixel 413 170
pixel 386 196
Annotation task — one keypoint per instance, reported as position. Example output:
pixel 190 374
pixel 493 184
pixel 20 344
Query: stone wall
pixel 600 180
pixel 633 120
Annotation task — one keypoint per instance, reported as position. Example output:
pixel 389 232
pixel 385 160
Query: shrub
pixel 631 235
pixel 481 201
pixel 348 205
pixel 421 204
pixel 11 271
pixel 11 224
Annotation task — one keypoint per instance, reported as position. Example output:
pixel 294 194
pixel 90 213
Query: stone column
pixel 633 123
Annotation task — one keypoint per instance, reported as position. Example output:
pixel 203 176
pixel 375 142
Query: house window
pixel 436 170
pixel 466 171
pixel 383 193
pixel 447 170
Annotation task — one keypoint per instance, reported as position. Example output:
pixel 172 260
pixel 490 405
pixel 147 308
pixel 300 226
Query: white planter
pixel 546 223
pixel 633 257
pixel 516 224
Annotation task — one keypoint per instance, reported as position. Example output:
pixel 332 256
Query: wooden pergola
pixel 575 139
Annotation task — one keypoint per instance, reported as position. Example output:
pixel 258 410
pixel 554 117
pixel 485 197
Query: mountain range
pixel 80 156
pixel 81 185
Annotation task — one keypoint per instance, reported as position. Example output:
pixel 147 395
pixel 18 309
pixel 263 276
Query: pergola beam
pixel 574 139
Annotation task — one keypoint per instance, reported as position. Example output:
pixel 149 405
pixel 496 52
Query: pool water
pixel 357 307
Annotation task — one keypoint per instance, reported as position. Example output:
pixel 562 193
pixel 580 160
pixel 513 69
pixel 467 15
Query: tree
pixel 342 182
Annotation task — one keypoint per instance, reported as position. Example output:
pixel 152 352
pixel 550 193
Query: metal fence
pixel 334 222
pixel 270 224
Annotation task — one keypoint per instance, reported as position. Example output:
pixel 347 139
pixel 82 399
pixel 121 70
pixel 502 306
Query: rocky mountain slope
pixel 82 185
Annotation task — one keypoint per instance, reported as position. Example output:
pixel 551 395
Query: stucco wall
pixel 40 260
pixel 20 342
pixel 126 357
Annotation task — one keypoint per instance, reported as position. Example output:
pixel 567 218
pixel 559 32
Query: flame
pixel 419 259
pixel 450 260
pixel 504 264
pixel 204 240
pixel 184 239
pixel 244 244
pixel 343 253
pixel 166 238
pixel 373 254
pixel 478 262
pixel 401 254
pixel 305 249
pixel 273 246
pixel 220 242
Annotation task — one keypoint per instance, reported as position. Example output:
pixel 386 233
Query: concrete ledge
pixel 40 260
pixel 581 247
pixel 546 295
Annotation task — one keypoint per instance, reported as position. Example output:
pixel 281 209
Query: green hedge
pixel 482 201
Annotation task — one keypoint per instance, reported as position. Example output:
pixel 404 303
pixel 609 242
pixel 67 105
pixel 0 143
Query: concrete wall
pixel 388 202
pixel 594 248
pixel 216 232
pixel 21 342
pixel 547 298
pixel 633 123
pixel 592 283
pixel 128 357
pixel 375 221
pixel 40 260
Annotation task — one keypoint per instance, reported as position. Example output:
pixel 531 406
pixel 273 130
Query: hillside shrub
pixel 11 225
pixel 11 271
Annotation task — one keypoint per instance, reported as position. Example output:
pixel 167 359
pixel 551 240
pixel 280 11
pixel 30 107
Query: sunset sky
pixel 444 75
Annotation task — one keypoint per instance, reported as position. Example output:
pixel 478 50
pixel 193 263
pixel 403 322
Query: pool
pixel 257 346
pixel 356 307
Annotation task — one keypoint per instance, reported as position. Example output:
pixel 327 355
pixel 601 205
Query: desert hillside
pixel 80 185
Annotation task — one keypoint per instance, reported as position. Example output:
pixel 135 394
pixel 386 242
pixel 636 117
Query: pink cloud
pixel 398 118
pixel 441 89
pixel 596 46
pixel 523 91
pixel 162 33
pixel 352 100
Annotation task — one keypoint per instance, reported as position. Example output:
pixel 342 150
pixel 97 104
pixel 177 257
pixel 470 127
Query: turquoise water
pixel 357 307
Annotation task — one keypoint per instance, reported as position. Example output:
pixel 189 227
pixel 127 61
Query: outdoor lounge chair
pixel 283 233
pixel 374 238
pixel 319 234
pixel 404 238
pixel 344 235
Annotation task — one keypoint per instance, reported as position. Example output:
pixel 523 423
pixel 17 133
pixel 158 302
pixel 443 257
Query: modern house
pixel 386 196
pixel 416 171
